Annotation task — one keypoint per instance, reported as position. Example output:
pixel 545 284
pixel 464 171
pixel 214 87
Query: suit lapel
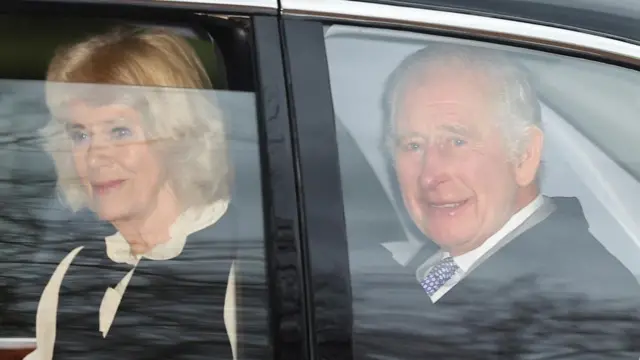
pixel 547 208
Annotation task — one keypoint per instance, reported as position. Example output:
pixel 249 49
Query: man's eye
pixel 458 142
pixel 121 132
pixel 410 146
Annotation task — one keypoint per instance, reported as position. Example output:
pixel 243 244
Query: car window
pixel 448 257
pixel 128 149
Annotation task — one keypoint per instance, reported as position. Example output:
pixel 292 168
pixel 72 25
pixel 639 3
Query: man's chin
pixel 450 242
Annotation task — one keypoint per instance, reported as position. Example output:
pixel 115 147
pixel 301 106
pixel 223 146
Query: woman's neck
pixel 146 231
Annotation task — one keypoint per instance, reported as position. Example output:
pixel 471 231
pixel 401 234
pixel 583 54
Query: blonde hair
pixel 189 126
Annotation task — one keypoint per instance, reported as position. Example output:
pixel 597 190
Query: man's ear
pixel 529 162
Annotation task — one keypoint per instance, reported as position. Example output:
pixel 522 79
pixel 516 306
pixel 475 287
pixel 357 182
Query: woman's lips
pixel 102 188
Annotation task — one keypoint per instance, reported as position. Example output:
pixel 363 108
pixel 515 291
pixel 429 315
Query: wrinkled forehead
pixel 63 97
pixel 448 97
pixel 455 81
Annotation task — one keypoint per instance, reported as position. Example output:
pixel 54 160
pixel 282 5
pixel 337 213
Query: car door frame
pixel 322 220
pixel 287 304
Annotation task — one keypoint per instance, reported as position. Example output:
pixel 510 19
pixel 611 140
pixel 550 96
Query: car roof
pixel 618 19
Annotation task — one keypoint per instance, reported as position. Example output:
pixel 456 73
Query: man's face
pixel 457 178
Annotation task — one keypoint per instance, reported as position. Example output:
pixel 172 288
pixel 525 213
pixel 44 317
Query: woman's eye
pixel 78 137
pixel 121 133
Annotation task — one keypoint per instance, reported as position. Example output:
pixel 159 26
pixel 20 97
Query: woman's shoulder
pixel 227 221
pixel 220 236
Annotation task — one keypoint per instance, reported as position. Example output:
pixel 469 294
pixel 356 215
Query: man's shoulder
pixel 562 247
pixel 564 230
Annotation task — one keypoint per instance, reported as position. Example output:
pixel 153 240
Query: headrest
pixel 27 46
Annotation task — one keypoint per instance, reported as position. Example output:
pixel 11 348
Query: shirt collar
pixel 190 221
pixel 466 260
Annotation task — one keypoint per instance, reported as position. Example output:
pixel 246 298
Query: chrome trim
pixel 370 13
pixel 268 4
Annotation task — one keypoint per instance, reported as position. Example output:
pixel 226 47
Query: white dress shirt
pixel 466 261
pixel 119 251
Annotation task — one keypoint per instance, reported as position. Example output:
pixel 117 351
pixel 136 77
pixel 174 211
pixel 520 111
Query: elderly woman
pixel 136 143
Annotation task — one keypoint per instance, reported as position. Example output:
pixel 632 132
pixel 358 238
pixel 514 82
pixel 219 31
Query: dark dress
pixel 171 309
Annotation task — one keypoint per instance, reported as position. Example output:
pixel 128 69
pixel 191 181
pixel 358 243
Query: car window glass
pixel 408 203
pixel 88 158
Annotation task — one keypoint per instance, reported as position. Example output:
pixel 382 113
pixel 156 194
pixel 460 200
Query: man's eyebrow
pixel 458 129
pixel 404 135
pixel 450 128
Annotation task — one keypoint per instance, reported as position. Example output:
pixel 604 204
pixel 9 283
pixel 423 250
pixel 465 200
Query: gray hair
pixel 517 101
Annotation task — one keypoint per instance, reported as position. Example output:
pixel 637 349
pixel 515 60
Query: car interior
pixel 587 154
pixel 27 191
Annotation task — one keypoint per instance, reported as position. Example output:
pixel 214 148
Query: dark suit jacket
pixel 553 292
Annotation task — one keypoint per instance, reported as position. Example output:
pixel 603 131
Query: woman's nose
pixel 100 151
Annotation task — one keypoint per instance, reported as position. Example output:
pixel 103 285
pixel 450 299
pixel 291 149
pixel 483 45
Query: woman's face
pixel 120 173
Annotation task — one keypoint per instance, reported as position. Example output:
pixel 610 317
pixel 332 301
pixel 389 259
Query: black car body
pixel 301 77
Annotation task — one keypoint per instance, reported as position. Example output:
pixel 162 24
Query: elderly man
pixel 465 138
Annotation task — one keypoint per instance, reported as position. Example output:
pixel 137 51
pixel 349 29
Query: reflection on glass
pixel 498 268
pixel 143 215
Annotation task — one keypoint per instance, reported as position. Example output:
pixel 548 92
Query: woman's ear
pixel 529 162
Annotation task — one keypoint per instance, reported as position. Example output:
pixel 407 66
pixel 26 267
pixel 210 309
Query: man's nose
pixel 433 168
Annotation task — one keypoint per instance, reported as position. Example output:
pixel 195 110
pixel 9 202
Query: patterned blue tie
pixel 439 275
